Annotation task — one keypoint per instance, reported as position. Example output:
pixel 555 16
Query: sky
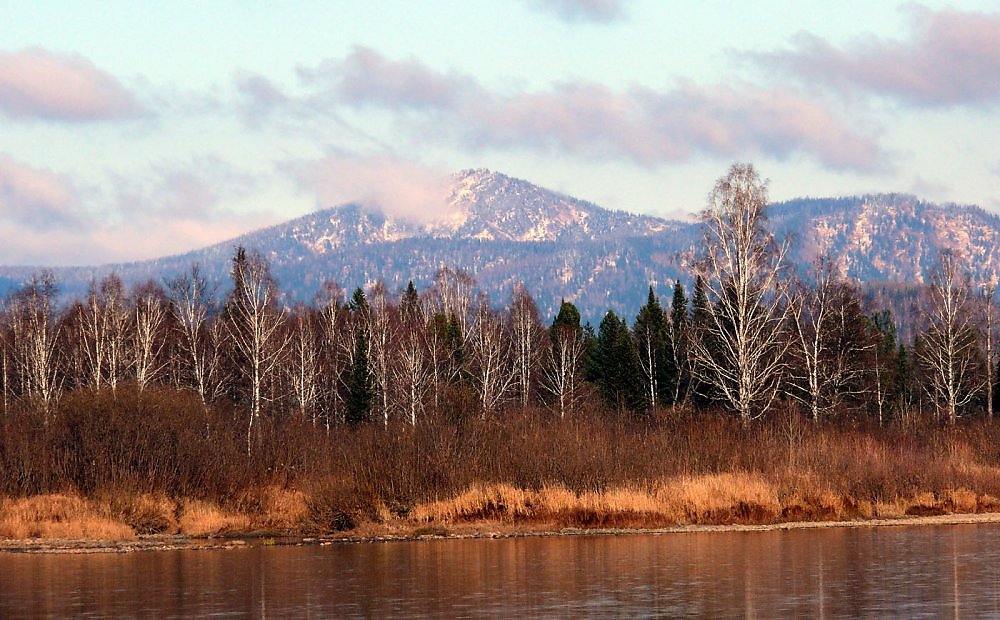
pixel 131 130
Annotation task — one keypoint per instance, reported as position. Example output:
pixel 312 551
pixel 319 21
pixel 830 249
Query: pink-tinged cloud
pixel 36 83
pixel 951 58
pixel 589 120
pixel 582 10
pixel 384 183
pixel 185 206
pixel 35 198
pixel 368 78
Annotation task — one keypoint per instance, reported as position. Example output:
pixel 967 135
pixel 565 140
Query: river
pixel 910 571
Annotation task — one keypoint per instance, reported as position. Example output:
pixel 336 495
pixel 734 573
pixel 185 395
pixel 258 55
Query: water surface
pixel 925 571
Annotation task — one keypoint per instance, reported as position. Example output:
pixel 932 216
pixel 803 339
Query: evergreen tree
pixel 903 388
pixel 360 384
pixel 410 305
pixel 567 319
pixel 568 316
pixel 360 390
pixel 885 362
pixel 590 369
pixel 616 365
pixel 679 342
pixel 358 303
pixel 655 358
pixel 701 391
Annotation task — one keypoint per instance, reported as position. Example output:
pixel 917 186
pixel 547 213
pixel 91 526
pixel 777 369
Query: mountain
pixel 504 230
pixel 887 237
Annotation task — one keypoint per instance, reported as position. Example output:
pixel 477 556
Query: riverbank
pixel 159 542
pixel 739 501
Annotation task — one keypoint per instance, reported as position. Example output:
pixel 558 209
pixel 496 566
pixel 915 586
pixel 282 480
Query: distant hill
pixel 504 230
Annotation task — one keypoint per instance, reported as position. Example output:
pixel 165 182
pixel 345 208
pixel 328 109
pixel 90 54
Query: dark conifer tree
pixel 652 343
pixel 360 386
pixel 903 388
pixel 410 305
pixel 358 303
pixel 360 390
pixel 568 316
pixel 679 334
pixel 590 369
pixel 616 365
pixel 701 391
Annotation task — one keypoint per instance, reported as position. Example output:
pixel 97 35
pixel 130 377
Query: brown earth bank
pixel 125 467
pixel 69 523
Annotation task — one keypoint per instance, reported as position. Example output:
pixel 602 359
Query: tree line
pixel 748 335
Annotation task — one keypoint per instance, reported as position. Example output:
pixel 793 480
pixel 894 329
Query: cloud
pixel 44 219
pixel 35 83
pixel 589 120
pixel 34 198
pixel 191 190
pixel 384 183
pixel 368 78
pixel 949 59
pixel 582 10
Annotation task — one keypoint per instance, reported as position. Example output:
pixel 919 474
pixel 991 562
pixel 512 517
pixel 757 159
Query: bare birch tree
pixel 338 345
pixel 412 372
pixel 150 314
pixel 455 291
pixel 742 344
pixel 303 368
pixel 255 327
pixel 491 363
pixel 988 291
pixel 829 341
pixel 525 330
pixel 381 337
pixel 948 348
pixel 561 368
pixel 35 333
pixel 201 341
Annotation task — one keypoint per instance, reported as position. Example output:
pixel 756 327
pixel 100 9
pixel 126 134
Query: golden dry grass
pixel 283 509
pixel 739 497
pixel 725 498
pixel 59 516
pixel 200 518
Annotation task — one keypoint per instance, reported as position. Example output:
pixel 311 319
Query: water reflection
pixel 949 571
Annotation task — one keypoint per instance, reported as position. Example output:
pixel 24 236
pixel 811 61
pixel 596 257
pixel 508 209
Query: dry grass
pixel 728 498
pixel 717 498
pixel 59 516
pixel 201 518
pixel 526 469
pixel 282 509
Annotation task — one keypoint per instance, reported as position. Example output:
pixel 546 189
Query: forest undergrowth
pixel 121 465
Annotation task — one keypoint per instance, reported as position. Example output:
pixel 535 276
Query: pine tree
pixel 590 369
pixel 884 360
pixel 655 360
pixel 360 390
pixel 358 303
pixel 903 380
pixel 360 386
pixel 701 391
pixel 410 305
pixel 679 343
pixel 568 316
pixel 616 365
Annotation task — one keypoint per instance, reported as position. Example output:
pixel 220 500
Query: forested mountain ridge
pixel 504 230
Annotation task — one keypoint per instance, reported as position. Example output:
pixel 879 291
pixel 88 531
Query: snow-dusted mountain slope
pixel 504 230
